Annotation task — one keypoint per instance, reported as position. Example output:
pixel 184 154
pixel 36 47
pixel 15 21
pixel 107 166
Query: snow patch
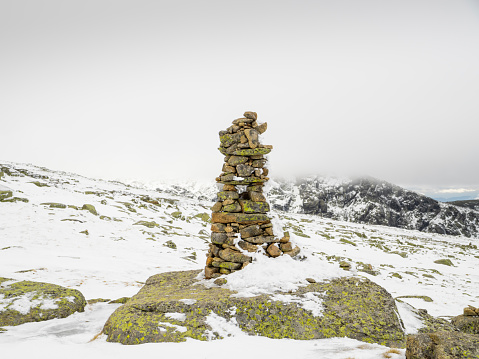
pixel 309 301
pixel 188 301
pixel 176 316
pixel 223 327
pixel 178 328
pixel 23 304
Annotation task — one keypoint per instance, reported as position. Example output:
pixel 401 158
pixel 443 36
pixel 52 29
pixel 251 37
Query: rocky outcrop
pixel 240 224
pixel 442 345
pixel 471 203
pixel 173 306
pixel 27 301
pixel 371 201
pixel 469 321
pixel 466 324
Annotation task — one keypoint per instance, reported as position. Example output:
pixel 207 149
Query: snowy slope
pixel 113 259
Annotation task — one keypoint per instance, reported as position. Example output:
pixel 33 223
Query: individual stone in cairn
pixel 240 224
pixel 471 311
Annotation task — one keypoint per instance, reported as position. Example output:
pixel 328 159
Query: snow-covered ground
pixel 110 255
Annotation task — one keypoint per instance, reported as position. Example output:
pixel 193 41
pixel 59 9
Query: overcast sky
pixel 141 88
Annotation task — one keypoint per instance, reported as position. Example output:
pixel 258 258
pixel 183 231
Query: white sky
pixel 141 88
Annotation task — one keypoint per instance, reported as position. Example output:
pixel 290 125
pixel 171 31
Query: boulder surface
pixel 442 345
pixel 27 301
pixel 174 306
pixel 466 324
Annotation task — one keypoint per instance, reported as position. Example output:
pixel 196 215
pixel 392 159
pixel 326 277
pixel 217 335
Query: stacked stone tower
pixel 240 224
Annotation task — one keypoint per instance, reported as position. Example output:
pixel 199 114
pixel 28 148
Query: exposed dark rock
pixel 472 204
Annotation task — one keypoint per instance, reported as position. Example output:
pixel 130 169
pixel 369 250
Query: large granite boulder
pixel 467 324
pixel 174 306
pixel 442 345
pixel 26 301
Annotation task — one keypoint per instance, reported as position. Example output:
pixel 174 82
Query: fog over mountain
pixel 122 90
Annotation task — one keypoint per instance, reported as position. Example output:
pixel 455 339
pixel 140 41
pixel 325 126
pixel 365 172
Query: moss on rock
pixel 45 301
pixel 351 307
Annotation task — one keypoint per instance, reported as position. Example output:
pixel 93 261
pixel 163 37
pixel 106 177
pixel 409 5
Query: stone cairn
pixel 240 224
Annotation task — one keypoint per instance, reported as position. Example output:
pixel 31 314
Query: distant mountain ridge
pixel 471 203
pixel 372 201
pixel 361 200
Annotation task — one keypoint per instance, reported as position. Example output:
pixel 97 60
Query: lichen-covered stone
pixel 218 227
pixel 273 250
pixel 244 170
pixel 228 177
pixel 40 184
pixel 149 224
pixel 233 207
pixel 251 115
pixel 210 272
pixel 442 345
pixel 217 207
pixel 45 301
pixel 90 208
pixel 233 256
pixel 257 187
pixel 251 231
pixel 254 207
pixel 243 218
pixel 466 324
pixel 246 151
pixel 352 307
pixel 227 195
pixel 54 205
pixel 261 239
pixel 242 120
pixel 226 265
pixel 5 194
pixel 244 181
pixel 247 246
pixel 237 160
pixel 205 217
pixel 227 139
pixel 259 163
pixel 296 250
pixel 257 197
pixel 221 238
pixel 170 244
pixel 252 136
pixel 262 128
pixel 15 200
pixel 286 247
pixel 446 262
